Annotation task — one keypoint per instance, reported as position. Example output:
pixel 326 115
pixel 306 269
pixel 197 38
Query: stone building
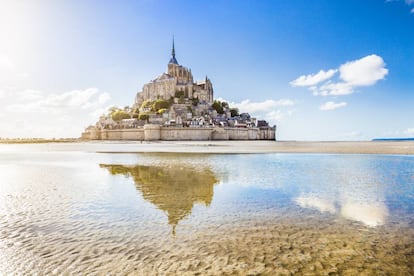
pixel 178 81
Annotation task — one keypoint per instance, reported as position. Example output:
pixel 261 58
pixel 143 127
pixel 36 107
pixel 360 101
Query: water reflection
pixel 370 213
pixel 174 188
pixel 313 202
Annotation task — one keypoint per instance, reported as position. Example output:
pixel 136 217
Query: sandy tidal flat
pixel 366 147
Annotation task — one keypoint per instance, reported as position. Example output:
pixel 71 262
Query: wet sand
pixel 365 147
pixel 264 247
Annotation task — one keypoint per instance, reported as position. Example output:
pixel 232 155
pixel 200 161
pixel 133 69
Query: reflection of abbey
pixel 174 189
pixel 175 107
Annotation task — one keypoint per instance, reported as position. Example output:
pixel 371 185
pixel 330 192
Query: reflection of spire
pixel 173 189
pixel 173 59
pixel 173 229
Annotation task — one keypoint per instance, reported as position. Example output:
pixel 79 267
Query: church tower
pixel 182 74
pixel 173 60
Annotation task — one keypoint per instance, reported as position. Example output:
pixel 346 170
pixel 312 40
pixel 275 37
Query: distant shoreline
pixel 37 140
pixel 393 139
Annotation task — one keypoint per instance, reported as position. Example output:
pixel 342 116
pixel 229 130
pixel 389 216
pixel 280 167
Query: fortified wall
pixel 153 132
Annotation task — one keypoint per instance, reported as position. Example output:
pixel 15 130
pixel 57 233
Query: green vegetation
pixel 157 105
pixel 234 112
pixel 162 111
pixel 160 104
pixel 144 117
pixel 146 104
pixel 135 113
pixel 118 114
pixel 219 106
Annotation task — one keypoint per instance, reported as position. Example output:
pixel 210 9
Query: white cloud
pixel 313 79
pixel 412 10
pixel 332 106
pixel 270 110
pixel 38 114
pixel 267 105
pixel 334 89
pixel 361 72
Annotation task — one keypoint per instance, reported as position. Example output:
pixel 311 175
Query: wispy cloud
pixel 357 73
pixel 266 105
pixel 271 110
pixel 333 89
pixel 313 79
pixel 332 106
pixel 37 114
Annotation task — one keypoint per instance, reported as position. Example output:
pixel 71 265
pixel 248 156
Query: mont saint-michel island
pixel 175 107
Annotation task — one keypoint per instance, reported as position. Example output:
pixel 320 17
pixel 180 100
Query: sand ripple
pixel 254 247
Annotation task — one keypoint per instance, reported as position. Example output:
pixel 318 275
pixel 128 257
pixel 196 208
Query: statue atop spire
pixel 173 59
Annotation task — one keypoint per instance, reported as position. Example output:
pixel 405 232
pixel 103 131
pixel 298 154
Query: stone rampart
pixel 152 132
pixel 119 134
pixel 181 133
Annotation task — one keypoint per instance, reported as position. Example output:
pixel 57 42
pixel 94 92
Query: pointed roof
pixel 173 59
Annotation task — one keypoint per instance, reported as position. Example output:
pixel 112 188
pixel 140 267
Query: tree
pixel 234 112
pixel 225 105
pixel 162 111
pixel 135 113
pixel 217 105
pixel 119 115
pixel 143 117
pixel 112 109
pixel 146 104
pixel 160 104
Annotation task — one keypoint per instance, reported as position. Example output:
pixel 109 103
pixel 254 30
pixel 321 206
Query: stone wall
pixel 121 134
pixel 180 133
pixel 152 132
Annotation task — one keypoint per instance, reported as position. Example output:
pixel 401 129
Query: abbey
pixel 177 81
pixel 175 107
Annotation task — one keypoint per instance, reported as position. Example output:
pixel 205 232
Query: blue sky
pixel 319 70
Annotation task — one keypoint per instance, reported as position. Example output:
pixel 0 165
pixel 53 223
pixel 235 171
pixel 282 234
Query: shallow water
pixel 69 208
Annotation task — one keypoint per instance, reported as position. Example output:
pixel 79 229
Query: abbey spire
pixel 173 59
